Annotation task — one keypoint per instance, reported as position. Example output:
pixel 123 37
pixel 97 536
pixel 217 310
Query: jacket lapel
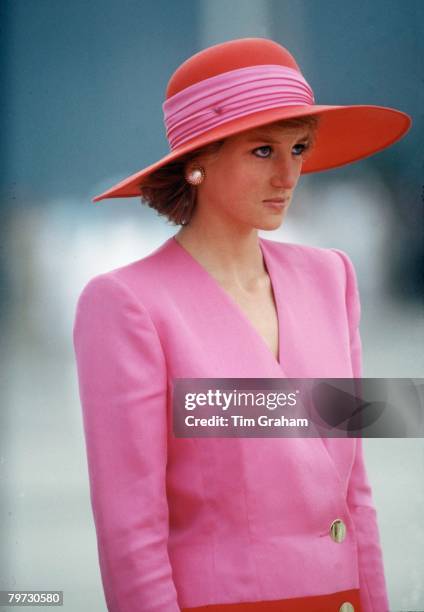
pixel 237 322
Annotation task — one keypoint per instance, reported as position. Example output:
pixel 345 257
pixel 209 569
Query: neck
pixel 232 254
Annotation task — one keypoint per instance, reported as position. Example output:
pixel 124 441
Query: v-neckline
pixel 231 302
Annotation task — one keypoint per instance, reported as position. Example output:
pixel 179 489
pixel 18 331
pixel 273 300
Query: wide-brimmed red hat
pixel 249 82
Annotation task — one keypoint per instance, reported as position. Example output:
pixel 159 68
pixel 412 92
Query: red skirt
pixel 316 603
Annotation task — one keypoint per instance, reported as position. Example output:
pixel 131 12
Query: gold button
pixel 346 607
pixel 338 532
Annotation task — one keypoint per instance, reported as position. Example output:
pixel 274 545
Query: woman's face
pixel 249 171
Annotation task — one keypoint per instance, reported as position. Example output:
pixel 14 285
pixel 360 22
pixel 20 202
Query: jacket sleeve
pixel 122 383
pixel 373 591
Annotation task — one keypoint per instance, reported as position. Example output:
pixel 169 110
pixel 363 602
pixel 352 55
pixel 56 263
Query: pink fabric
pixel 229 95
pixel 189 522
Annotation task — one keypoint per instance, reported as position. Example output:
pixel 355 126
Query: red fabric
pixel 366 129
pixel 318 603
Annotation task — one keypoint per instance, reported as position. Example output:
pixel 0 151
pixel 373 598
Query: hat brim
pixel 346 134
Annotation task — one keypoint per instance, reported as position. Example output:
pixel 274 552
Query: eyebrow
pixel 259 136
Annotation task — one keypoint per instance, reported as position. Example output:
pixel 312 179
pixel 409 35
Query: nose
pixel 286 173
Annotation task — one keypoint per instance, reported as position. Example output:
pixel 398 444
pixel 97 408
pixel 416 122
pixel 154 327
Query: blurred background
pixel 82 89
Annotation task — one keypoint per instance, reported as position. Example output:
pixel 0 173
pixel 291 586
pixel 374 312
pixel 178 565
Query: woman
pixel 230 524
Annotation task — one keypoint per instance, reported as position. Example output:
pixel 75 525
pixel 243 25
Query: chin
pixel 270 224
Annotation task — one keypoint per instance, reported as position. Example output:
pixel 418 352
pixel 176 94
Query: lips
pixel 276 203
pixel 277 200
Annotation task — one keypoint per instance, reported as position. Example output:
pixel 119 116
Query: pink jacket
pixel 188 522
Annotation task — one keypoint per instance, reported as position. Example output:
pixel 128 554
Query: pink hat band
pixel 229 95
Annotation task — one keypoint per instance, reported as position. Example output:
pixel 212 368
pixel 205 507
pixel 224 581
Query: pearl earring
pixel 195 176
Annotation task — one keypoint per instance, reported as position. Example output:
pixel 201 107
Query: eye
pixel 265 151
pixel 304 147
pixel 264 148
